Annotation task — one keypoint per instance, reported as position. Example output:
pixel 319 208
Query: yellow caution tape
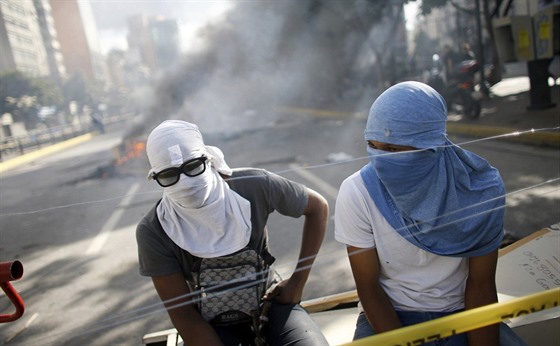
pixel 464 321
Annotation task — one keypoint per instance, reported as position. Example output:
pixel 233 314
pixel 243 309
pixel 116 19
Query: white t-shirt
pixel 414 279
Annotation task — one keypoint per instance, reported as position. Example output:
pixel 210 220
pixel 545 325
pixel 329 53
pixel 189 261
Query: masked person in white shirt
pixel 422 221
pixel 209 211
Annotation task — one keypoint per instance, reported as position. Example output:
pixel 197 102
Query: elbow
pixel 478 294
pixel 317 206
pixel 323 208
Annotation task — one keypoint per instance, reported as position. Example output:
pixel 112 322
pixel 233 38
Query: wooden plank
pixel 161 336
pixel 329 302
pixel 523 241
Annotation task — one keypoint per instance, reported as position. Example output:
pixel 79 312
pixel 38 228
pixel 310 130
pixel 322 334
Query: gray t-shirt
pixel 159 255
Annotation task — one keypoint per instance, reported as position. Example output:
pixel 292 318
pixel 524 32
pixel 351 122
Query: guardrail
pixel 36 139
pixel 14 146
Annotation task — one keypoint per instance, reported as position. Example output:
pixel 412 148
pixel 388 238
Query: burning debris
pixel 129 158
pixel 129 150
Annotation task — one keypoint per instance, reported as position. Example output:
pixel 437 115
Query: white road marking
pixel 323 185
pixel 25 326
pixel 103 234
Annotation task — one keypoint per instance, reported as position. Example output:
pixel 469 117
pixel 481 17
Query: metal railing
pixel 37 139
pixel 14 146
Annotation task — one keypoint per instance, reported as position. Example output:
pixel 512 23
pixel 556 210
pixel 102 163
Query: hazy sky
pixel 111 16
pixel 410 13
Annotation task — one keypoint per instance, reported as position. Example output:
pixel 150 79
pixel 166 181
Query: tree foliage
pixel 75 89
pixel 14 85
pixel 428 5
pixel 48 92
pixel 21 96
pixel 495 74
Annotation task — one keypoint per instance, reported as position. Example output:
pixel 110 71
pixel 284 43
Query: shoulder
pixel 252 173
pixel 248 181
pixel 353 196
pixel 355 215
pixel 149 226
pixel 149 218
pixel 247 176
pixel 352 187
pixel 259 179
pixel 269 190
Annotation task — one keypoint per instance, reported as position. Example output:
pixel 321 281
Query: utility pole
pixel 483 89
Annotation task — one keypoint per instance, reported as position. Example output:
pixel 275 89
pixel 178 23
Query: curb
pixel 29 157
pixel 531 137
pixel 535 137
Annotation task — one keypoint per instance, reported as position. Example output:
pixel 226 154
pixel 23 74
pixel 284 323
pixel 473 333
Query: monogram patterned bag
pixel 231 287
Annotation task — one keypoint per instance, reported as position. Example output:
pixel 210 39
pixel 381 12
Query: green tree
pixel 83 92
pixel 49 94
pixel 13 86
pixel 496 73
pixel 360 17
pixel 74 90
pixel 21 96
pixel 424 50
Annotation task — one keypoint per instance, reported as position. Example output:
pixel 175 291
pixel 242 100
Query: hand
pixel 286 292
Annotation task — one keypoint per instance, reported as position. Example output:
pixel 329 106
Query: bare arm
pixel 377 305
pixel 316 217
pixel 194 330
pixel 481 290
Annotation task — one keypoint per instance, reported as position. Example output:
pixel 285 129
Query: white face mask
pixel 193 192
pixel 200 214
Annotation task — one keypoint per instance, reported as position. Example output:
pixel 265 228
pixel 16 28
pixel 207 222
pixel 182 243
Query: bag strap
pixel 267 257
pixel 260 322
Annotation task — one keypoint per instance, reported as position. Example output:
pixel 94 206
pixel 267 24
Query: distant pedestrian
pixel 450 60
pixel 466 52
pixel 97 121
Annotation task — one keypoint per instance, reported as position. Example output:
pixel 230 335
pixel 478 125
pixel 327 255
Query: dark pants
pixel 289 324
pixel 407 318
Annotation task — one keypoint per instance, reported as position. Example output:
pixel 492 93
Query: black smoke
pixel 272 54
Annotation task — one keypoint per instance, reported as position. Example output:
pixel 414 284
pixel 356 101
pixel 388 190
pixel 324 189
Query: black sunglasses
pixel 191 168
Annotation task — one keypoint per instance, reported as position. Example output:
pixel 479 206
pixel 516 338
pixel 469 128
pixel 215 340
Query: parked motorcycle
pixel 459 91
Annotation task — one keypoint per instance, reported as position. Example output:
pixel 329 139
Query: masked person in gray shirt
pixel 210 211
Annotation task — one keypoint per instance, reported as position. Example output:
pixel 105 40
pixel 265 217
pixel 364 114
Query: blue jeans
pixel 289 324
pixel 407 318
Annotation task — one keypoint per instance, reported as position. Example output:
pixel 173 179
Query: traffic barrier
pixel 10 271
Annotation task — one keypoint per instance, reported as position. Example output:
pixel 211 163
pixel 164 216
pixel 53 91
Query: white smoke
pixel 268 55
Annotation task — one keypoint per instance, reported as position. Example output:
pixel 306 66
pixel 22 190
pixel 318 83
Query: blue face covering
pixel 443 199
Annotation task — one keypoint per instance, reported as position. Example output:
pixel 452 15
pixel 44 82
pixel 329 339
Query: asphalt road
pixel 70 219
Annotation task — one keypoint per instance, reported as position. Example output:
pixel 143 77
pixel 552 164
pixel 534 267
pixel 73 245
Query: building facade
pixel 21 42
pixel 55 59
pixel 77 34
pixel 155 39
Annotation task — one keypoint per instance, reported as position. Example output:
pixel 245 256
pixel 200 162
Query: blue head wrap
pixel 443 199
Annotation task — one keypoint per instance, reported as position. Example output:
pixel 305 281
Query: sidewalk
pixel 506 112
pixel 15 159
pixel 33 155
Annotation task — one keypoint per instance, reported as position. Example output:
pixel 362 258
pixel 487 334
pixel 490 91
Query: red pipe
pixel 10 271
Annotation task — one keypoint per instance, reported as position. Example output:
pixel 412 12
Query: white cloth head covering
pixel 201 214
